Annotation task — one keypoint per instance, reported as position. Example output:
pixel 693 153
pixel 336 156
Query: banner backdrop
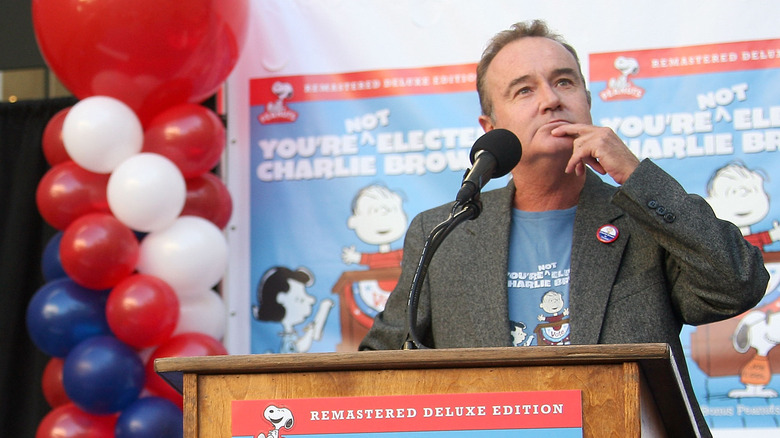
pixel 347 118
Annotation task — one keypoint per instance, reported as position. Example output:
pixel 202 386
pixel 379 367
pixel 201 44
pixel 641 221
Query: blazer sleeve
pixel 714 273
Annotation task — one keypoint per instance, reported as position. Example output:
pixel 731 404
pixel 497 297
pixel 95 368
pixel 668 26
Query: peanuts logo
pixel 621 87
pixel 277 111
pixel 279 418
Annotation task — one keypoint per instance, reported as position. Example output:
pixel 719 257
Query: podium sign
pixel 556 413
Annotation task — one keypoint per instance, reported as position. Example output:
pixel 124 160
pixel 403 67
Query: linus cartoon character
pixel 378 218
pixel 737 194
pixel 282 297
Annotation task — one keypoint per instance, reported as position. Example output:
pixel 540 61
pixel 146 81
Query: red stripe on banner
pixel 366 84
pixel 677 61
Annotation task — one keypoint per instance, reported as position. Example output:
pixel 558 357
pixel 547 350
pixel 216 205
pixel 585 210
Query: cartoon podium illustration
pixel 378 219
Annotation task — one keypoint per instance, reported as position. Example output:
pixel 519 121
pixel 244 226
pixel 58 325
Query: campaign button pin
pixel 607 233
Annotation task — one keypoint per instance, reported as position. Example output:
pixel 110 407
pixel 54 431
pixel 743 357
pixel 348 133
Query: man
pixel 633 264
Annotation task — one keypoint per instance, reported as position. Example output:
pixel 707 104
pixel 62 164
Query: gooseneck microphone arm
pixel 460 213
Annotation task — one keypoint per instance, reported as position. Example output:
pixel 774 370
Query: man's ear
pixel 486 123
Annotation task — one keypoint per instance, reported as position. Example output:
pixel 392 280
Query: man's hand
pixel 600 148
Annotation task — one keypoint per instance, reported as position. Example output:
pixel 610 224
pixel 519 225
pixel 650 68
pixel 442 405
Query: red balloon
pixel 53 147
pixel 68 421
pixel 68 191
pixel 97 251
pixel 209 198
pixel 142 311
pixel 150 54
pixel 51 383
pixel 190 135
pixel 181 345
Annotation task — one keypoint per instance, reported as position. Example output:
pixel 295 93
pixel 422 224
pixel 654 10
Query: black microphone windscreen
pixel 503 145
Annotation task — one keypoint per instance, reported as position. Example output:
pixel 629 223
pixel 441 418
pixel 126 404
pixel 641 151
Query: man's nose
pixel 549 100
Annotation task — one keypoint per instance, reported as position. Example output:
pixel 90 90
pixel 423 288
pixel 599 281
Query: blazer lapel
pixel 490 241
pixel 594 263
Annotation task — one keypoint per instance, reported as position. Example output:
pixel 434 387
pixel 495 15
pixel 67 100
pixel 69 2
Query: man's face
pixel 534 85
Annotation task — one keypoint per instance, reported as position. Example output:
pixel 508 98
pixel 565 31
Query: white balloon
pixel 146 192
pixel 203 312
pixel 190 255
pixel 99 132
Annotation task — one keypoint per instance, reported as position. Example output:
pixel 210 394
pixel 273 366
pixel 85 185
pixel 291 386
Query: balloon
pixel 207 197
pixel 67 191
pixel 68 421
pixel 61 314
pixel 190 255
pixel 102 375
pixel 100 132
pixel 142 311
pixel 97 251
pixel 53 147
pixel 151 54
pixel 204 312
pixel 190 135
pixel 51 383
pixel 50 261
pixel 146 192
pixel 183 345
pixel 150 417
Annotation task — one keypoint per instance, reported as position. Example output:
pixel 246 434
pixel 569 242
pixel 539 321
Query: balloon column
pixel 132 271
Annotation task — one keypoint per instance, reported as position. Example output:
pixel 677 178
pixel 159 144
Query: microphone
pixel 493 155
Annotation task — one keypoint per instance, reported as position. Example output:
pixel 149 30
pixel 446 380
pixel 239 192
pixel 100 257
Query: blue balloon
pixel 150 417
pixel 62 314
pixel 103 375
pixel 51 264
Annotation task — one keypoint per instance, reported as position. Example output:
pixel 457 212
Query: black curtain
pixel 23 236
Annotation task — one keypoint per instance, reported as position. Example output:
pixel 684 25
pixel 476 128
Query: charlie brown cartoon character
pixel 737 194
pixel 282 297
pixel 554 327
pixel 378 218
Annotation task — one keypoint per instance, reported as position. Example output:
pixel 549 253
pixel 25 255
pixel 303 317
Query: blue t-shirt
pixel 538 277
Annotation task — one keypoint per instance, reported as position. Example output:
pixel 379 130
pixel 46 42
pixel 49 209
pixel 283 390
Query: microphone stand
pixel 461 212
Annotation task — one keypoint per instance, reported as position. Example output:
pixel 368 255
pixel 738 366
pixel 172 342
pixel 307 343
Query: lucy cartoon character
pixel 737 194
pixel 279 418
pixel 759 331
pixel 282 297
pixel 519 336
pixel 554 326
pixel 378 218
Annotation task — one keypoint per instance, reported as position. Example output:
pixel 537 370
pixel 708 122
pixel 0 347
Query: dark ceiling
pixel 18 48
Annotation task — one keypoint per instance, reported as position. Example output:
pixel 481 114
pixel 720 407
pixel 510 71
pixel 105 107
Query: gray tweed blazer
pixel 673 263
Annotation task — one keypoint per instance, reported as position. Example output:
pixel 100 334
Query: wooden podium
pixel 627 390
